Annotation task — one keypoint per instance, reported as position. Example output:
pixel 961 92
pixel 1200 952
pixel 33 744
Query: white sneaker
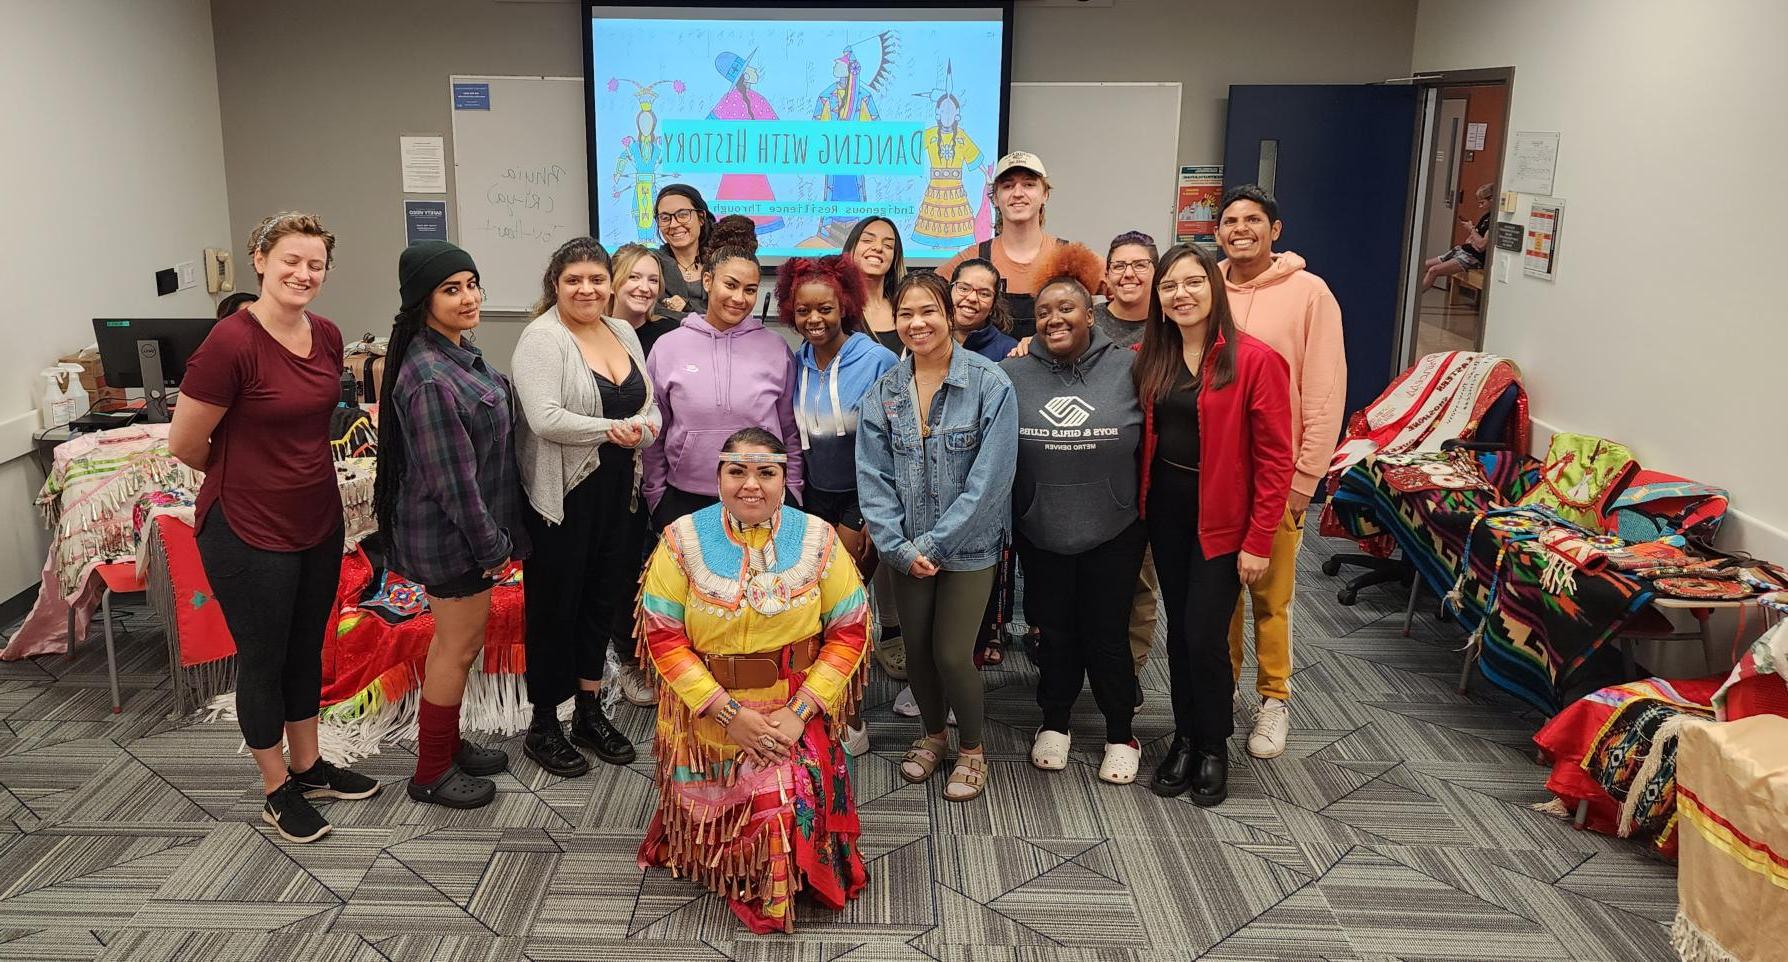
pixel 1271 724
pixel 856 741
pixel 634 686
pixel 905 705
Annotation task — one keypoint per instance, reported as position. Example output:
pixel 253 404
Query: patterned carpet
pixel 1396 826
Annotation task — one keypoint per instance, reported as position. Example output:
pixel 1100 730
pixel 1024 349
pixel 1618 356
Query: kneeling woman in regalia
pixel 756 622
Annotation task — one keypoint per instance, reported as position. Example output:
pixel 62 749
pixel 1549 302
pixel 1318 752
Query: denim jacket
pixel 947 496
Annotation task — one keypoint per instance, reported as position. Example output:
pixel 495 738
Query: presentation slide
pixel 804 120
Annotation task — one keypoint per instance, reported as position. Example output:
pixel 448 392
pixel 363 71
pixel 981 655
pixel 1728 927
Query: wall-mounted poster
pixel 1195 213
pixel 1539 255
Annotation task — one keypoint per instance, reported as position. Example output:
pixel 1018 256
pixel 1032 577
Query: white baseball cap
pixel 1020 160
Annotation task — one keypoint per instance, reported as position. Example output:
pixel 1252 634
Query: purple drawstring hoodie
pixel 708 384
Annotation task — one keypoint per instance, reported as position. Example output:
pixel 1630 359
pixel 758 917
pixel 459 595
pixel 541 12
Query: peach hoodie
pixel 1292 309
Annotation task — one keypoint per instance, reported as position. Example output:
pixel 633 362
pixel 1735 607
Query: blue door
pixel 1340 159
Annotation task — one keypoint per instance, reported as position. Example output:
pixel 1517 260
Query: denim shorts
pixel 461 586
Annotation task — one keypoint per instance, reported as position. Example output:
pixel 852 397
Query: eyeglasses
pixel 1193 285
pixel 1119 268
pixel 683 216
pixel 965 289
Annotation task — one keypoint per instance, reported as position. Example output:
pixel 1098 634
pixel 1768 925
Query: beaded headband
pixel 752 457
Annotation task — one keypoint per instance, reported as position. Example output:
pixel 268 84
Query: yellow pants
pixel 1272 596
pixel 1143 612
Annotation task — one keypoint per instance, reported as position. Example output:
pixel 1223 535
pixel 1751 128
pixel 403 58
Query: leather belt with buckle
pixel 761 670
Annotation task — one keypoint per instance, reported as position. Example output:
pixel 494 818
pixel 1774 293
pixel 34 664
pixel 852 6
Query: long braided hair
pixel 393 459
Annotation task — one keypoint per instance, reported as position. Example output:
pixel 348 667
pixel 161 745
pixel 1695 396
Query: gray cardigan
pixel 562 424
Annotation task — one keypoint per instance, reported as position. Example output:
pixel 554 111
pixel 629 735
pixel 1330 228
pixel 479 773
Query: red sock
pixel 437 740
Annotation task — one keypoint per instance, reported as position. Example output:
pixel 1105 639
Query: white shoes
pixel 634 685
pixel 1271 724
pixel 1122 759
pixel 856 741
pixel 906 706
pixel 1050 751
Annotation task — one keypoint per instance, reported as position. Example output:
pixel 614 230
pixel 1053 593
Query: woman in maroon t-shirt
pixel 254 416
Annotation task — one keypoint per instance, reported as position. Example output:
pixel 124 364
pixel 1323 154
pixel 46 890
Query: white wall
pixel 112 168
pixel 1665 328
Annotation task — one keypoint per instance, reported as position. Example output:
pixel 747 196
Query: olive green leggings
pixel 940 617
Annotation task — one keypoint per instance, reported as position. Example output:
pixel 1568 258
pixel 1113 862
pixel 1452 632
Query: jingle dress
pixel 758 835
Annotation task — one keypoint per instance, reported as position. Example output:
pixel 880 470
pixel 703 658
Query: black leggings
pixel 276 605
pixel 1198 596
pixel 583 572
pixel 1081 604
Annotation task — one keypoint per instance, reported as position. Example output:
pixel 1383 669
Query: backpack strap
pixel 984 250
pixel 369 387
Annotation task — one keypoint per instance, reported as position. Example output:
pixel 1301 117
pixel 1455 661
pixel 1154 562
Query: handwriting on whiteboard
pixel 523 204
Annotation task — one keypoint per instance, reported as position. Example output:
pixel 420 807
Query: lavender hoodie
pixel 709 384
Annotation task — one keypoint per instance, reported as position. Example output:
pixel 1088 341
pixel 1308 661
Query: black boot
pixel 1210 778
pixel 1174 775
pixel 547 746
pixel 592 730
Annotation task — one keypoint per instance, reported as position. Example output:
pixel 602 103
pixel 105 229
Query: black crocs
pixel 475 759
pixel 455 789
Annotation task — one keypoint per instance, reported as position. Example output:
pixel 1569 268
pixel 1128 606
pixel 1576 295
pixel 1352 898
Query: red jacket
pixel 1245 459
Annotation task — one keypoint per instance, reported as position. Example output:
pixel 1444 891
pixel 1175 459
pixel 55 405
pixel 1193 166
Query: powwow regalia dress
pixel 770 609
pixel 945 218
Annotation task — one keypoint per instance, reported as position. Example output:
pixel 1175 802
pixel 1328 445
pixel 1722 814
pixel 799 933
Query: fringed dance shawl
pixel 755 834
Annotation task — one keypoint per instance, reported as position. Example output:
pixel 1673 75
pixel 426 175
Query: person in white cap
pixel 1020 191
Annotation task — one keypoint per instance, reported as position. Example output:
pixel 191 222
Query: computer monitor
pixel 149 353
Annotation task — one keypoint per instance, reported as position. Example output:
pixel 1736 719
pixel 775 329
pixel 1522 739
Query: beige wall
pixel 313 104
pixel 1664 328
pixel 112 161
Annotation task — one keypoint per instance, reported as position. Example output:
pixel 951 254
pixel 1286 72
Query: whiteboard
pixel 1112 150
pixel 520 182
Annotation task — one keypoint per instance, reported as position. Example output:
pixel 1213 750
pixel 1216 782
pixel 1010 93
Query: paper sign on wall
pixel 1534 163
pixel 471 96
pixel 424 162
pixel 1195 212
pixel 1474 136
pixel 1539 254
pixel 425 220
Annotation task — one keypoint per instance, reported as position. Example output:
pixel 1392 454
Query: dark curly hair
pixel 841 273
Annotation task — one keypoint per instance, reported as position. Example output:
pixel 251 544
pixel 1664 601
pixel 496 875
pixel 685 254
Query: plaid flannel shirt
pixel 461 507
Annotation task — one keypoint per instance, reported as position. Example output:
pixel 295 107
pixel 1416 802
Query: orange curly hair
pixel 1071 262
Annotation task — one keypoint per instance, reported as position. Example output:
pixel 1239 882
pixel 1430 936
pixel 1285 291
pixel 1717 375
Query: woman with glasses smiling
pixel 981 316
pixel 685 223
pixel 1129 273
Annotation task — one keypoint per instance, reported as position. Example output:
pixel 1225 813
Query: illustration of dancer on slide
pixel 640 156
pixel 853 99
pixel 744 103
pixel 945 218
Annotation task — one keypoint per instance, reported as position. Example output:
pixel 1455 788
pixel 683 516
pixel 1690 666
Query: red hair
pixel 841 273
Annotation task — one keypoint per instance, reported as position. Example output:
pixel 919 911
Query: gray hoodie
pixel 1079 428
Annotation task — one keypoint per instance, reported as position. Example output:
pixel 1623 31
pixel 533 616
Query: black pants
pixel 834 507
pixel 1081 605
pixel 676 503
pixel 1198 596
pixel 582 573
pixel 276 605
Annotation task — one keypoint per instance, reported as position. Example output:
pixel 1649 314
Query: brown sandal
pixel 970 774
pixel 926 754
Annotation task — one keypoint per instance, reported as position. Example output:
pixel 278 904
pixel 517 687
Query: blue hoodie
pixel 826 405
pixel 990 342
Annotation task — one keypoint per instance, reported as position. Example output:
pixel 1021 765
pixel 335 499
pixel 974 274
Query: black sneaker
pixel 292 816
pixel 475 759
pixel 547 746
pixel 325 780
pixel 591 729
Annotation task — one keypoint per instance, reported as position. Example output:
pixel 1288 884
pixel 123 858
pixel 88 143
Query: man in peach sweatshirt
pixel 1273 298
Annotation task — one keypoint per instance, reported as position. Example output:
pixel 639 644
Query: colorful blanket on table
pixel 1613 752
pixel 1758 684
pixel 1540 630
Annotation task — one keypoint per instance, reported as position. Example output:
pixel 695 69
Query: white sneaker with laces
pixel 635 687
pixel 856 741
pixel 905 705
pixel 1271 724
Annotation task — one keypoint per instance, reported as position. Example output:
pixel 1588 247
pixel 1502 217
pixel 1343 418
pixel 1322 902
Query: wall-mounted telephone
pixel 220 271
